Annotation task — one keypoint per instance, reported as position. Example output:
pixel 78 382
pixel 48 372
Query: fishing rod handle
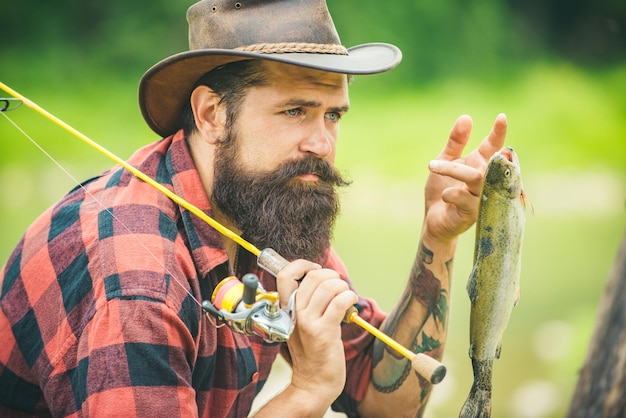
pixel 429 368
pixel 269 260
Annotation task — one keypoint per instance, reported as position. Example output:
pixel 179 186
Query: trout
pixel 494 283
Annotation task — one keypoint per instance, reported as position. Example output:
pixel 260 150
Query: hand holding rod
pixel 426 366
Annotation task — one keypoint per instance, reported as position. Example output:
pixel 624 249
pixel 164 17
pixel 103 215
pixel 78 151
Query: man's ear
pixel 209 114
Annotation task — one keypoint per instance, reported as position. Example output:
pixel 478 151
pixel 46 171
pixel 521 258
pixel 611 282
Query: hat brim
pixel 166 86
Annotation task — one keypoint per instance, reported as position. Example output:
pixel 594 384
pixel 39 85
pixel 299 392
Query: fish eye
pixel 507 172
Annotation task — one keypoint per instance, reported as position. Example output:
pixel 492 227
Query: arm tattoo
pixel 426 289
pixel 425 254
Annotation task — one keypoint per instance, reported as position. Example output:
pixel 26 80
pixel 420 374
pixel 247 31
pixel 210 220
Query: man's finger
pixel 464 201
pixel 321 296
pixel 288 278
pixel 461 172
pixel 495 140
pixel 459 137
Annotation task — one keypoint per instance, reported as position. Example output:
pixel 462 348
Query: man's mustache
pixel 310 165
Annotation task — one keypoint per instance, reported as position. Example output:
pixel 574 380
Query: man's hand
pixel 316 349
pixel 455 183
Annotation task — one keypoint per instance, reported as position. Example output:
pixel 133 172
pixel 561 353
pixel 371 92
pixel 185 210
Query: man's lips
pixel 309 177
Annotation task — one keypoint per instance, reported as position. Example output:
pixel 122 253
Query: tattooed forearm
pixel 423 298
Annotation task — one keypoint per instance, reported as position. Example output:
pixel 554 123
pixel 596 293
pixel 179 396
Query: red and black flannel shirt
pixel 99 312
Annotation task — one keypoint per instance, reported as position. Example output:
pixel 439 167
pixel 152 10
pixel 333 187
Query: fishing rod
pixel 244 306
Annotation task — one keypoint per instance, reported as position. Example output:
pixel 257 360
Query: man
pixel 100 310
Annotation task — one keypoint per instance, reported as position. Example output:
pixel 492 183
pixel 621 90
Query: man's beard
pixel 275 209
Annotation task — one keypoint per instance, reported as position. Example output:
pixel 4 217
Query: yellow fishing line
pixel 137 173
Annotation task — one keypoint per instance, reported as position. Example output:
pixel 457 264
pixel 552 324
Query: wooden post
pixel 601 388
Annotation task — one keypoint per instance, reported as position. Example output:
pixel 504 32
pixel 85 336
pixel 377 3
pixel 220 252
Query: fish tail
pixel 478 403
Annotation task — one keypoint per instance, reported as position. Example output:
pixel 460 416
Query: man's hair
pixel 231 82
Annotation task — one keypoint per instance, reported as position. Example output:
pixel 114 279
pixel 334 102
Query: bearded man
pixel 100 304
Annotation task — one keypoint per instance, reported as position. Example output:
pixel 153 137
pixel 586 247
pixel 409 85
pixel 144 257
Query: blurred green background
pixel 556 68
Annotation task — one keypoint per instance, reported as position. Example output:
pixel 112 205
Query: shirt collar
pixel 205 242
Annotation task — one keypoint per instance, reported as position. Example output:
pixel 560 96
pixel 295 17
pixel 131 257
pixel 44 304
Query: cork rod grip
pixel 429 368
pixel 271 261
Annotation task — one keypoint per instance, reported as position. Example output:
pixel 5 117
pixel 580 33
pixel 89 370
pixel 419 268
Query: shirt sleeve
pixel 131 347
pixel 132 360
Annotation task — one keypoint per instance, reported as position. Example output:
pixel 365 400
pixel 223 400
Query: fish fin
pixel 526 202
pixel 478 403
pixel 471 285
pixel 499 349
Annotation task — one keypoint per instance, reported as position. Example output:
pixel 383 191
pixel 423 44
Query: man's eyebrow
pixel 312 103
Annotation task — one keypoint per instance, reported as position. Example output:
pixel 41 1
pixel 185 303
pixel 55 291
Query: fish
pixel 494 282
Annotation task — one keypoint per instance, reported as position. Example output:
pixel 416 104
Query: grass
pixel 567 126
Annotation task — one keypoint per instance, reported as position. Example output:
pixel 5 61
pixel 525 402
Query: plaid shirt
pixel 99 311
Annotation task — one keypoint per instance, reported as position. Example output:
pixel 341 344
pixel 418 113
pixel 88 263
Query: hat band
pixel 291 47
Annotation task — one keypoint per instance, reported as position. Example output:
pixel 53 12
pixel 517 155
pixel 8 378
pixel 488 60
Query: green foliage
pixel 481 39
pixel 438 40
pixel 561 116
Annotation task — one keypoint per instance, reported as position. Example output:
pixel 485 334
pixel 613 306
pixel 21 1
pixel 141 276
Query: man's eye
pixel 333 116
pixel 293 112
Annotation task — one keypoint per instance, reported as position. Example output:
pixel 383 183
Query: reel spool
pixel 248 309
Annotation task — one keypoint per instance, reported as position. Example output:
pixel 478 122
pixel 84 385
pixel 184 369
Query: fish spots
pixel 486 246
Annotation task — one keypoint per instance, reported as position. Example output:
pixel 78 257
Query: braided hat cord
pixel 291 47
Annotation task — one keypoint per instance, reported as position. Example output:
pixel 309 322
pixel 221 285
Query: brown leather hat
pixel 299 32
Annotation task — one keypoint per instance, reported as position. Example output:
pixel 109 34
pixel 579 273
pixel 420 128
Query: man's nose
pixel 318 141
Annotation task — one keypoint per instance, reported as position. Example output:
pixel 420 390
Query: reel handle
pixel 250 285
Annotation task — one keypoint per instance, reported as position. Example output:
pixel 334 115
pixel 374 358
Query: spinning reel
pixel 248 309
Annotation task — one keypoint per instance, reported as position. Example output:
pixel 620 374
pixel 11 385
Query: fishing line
pixel 101 204
pixel 137 173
